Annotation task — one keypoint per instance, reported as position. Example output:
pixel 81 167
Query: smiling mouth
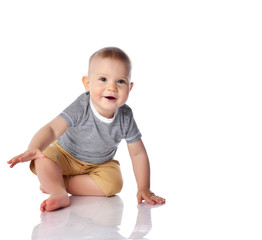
pixel 110 98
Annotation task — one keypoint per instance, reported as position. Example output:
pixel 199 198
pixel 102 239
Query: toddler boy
pixel 74 152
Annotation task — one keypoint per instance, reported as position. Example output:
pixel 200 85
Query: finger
pixel 158 199
pixel 162 201
pixel 14 158
pixel 149 200
pixel 14 163
pixel 139 198
pixel 20 158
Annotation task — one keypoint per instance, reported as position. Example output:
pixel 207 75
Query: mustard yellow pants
pixel 106 175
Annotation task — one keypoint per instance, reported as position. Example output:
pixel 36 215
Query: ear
pixel 85 81
pixel 131 86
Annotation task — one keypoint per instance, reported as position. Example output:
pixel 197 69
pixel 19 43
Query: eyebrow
pixel 103 74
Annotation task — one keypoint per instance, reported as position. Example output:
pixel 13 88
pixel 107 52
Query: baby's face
pixel 109 85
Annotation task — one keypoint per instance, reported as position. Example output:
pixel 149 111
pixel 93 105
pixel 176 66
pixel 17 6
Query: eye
pixel 122 81
pixel 103 79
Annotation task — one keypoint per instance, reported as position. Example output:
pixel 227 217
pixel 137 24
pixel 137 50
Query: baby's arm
pixel 141 168
pixel 45 136
pixel 49 133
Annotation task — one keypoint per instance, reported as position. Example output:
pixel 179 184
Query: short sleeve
pixel 73 114
pixel 132 134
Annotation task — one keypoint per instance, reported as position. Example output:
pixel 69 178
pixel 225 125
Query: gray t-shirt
pixel 92 138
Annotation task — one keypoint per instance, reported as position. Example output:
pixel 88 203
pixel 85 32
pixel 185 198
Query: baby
pixel 74 153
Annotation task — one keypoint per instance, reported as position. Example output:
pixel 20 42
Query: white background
pixel 197 101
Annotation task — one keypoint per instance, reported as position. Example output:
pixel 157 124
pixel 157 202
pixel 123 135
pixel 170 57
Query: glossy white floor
pixel 117 217
pixel 96 218
pixel 220 201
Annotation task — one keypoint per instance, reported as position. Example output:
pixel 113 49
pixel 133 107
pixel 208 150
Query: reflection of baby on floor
pixel 92 217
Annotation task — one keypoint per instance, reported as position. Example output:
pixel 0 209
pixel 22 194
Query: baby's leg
pixel 51 180
pixel 83 185
pixel 103 180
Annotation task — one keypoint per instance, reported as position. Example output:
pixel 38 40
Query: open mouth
pixel 110 98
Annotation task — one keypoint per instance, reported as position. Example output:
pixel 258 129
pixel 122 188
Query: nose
pixel 111 87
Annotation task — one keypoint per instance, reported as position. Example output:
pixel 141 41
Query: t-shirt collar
pixel 100 117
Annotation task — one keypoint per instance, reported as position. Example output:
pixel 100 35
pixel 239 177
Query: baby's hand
pixel 26 156
pixel 148 196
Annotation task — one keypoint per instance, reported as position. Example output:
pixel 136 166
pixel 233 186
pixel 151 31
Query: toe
pixel 43 206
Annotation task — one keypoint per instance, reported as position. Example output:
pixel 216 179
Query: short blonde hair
pixel 113 53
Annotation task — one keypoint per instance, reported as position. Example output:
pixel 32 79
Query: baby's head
pixel 113 53
pixel 108 80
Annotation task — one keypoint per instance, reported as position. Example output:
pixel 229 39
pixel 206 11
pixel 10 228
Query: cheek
pixel 124 94
pixel 94 91
pixel 95 88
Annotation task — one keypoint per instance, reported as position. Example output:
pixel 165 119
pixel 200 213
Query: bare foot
pixel 55 201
